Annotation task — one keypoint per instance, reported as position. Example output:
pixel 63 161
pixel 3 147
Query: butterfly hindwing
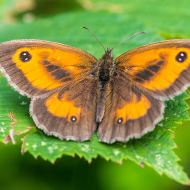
pixel 129 113
pixel 69 113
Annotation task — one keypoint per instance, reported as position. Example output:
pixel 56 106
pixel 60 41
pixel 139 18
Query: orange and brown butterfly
pixel 72 92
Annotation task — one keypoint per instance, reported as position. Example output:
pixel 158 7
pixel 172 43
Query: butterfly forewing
pixel 36 67
pixel 162 68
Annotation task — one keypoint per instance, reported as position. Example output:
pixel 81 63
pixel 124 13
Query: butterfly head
pixel 107 56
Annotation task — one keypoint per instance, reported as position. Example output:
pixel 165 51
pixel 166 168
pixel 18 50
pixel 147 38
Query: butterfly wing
pixel 163 68
pixel 129 112
pixel 57 78
pixel 36 67
pixel 69 113
pixel 145 76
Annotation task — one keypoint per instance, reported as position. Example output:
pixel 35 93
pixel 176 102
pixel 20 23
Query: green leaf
pixel 170 18
pixel 155 149
pixel 12 102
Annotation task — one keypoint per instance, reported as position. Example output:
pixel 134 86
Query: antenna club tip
pixel 84 27
pixel 140 33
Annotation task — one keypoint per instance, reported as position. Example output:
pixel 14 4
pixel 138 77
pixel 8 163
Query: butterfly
pixel 72 92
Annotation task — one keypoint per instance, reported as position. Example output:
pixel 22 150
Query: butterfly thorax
pixel 105 66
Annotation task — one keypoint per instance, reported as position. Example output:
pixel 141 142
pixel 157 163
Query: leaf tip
pixel 23 151
pixel 188 183
pixel 180 160
pixel 6 139
pixel 142 164
pixel 53 162
pixel 177 147
pixel 121 163
pixel 22 147
pixel 172 132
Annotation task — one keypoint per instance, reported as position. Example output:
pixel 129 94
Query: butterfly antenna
pixel 128 39
pixel 94 37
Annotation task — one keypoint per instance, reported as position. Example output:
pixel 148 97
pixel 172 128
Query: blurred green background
pixel 112 21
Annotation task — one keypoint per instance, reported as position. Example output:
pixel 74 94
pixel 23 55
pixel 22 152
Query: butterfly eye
pixel 120 120
pixel 25 56
pixel 181 57
pixel 73 119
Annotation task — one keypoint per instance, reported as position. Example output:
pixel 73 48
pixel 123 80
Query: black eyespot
pixel 181 57
pixel 73 119
pixel 25 56
pixel 120 120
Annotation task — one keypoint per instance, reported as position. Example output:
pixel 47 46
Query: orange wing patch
pixel 171 69
pixel 156 68
pixel 138 61
pixel 63 108
pixel 48 68
pixel 133 110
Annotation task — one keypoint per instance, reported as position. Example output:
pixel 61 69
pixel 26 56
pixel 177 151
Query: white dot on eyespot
pixel 182 54
pixel 73 119
pixel 120 120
